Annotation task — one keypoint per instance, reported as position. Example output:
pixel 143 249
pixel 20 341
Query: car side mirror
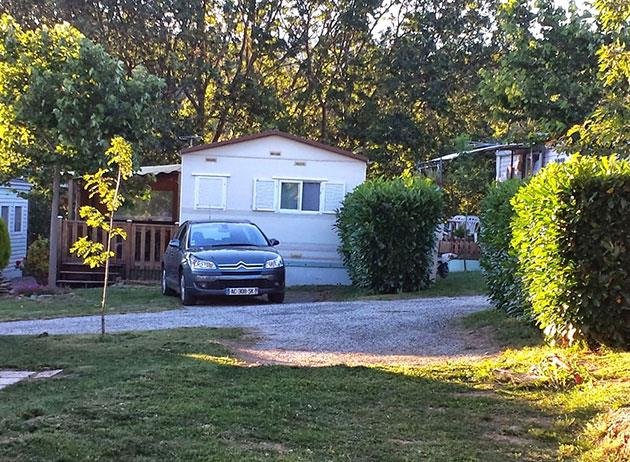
pixel 174 243
pixel 273 242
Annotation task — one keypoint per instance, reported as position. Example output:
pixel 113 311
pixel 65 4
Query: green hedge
pixel 387 231
pixel 5 245
pixel 498 260
pixel 36 263
pixel 571 234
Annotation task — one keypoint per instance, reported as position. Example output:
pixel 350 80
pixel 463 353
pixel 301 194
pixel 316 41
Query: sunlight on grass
pixel 182 392
pixel 220 360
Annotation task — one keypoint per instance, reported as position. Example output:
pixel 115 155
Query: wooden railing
pixel 463 249
pixel 139 256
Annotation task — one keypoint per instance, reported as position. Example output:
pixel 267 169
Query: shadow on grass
pixel 178 395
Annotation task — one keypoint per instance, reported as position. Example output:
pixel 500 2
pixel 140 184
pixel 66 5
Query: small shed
pixel 14 212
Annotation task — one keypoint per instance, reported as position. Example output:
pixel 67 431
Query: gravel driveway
pixel 357 332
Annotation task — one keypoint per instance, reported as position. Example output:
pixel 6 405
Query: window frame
pixel 18 219
pixel 8 215
pixel 300 184
pixel 299 201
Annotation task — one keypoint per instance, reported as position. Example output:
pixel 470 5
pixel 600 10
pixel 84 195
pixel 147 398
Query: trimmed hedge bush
pixel 571 234
pixel 5 245
pixel 498 260
pixel 36 263
pixel 387 231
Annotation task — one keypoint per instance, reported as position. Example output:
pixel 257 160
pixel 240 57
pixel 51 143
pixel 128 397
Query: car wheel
pixel 276 298
pixel 184 294
pixel 166 290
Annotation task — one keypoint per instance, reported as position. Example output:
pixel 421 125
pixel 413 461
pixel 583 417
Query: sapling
pixel 105 186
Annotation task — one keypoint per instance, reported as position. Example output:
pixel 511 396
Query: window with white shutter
pixel 265 195
pixel 210 192
pixel 333 196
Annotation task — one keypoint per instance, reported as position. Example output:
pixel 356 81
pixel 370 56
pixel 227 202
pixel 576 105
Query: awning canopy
pixel 483 149
pixel 157 169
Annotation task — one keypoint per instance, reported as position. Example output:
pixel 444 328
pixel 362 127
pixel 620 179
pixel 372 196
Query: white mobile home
pixel 526 162
pixel 14 212
pixel 287 185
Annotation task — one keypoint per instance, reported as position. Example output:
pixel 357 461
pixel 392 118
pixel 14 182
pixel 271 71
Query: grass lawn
pixel 148 298
pixel 456 284
pixel 86 302
pixel 177 395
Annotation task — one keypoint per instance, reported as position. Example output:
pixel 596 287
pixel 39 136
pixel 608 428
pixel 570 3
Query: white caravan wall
pixel 308 241
pixel 9 200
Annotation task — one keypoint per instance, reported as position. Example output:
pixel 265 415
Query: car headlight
pixel 199 264
pixel 275 263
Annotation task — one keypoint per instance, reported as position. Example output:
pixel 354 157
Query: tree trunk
pixel 54 230
pixel 108 250
pixel 465 238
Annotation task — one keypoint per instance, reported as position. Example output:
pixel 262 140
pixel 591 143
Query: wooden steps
pixel 80 275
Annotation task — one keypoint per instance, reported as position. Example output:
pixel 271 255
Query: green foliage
pixel 396 87
pixel 571 234
pixel 605 131
pixel 338 71
pixel 498 261
pixel 36 263
pixel 5 245
pixel 387 231
pixel 62 98
pixel 544 76
pixel 559 373
pixel 466 181
pixel 105 185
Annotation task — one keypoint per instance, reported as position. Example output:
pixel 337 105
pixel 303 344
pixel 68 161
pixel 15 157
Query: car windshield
pixel 225 234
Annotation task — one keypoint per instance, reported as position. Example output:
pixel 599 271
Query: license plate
pixel 242 291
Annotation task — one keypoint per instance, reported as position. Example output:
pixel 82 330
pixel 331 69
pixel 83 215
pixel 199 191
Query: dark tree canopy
pixel 394 80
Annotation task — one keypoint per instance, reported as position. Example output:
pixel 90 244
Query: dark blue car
pixel 222 258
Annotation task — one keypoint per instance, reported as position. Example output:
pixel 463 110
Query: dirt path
pixel 358 332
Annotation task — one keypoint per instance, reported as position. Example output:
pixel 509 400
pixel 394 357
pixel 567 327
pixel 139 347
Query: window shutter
pixel 265 195
pixel 333 196
pixel 210 192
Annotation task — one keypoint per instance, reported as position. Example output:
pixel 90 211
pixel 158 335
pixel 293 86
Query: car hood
pixel 234 255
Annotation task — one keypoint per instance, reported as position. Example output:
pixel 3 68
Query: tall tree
pixel 607 129
pixel 544 75
pixel 62 98
pixel 424 81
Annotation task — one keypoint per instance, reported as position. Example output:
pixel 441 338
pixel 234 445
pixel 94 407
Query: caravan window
pixel 4 214
pixel 17 219
pixel 300 195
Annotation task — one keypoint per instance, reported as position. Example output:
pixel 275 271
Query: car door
pixel 172 257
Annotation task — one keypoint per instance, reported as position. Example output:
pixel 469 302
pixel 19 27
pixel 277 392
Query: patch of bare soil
pixel 253 356
pixel 472 345
pixel 481 340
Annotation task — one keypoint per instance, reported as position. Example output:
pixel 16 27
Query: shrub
pixel 498 260
pixel 387 230
pixel 5 245
pixel 571 234
pixel 36 263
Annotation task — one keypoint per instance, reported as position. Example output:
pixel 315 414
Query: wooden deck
pixel 463 249
pixel 138 258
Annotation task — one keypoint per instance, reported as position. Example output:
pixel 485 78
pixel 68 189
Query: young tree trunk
pixel 54 230
pixel 109 247
pixel 465 237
